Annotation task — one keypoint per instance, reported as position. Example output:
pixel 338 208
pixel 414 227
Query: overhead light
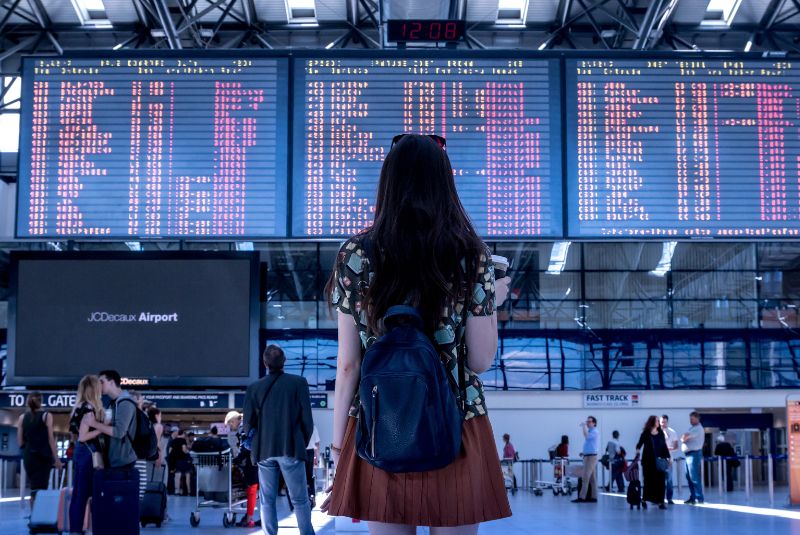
pixel 512 12
pixel 558 257
pixel 720 12
pixel 134 246
pixel 244 246
pixel 544 45
pixel 665 263
pixel 301 11
pixel 749 45
pixel 91 12
pixel 118 46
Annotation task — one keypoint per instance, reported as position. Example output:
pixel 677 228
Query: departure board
pixel 153 146
pixel 676 148
pixel 500 118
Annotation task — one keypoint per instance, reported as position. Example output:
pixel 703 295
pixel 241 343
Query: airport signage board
pixel 793 428
pixel 164 400
pixel 50 400
pixel 611 400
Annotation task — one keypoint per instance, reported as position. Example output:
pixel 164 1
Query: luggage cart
pixel 509 479
pixel 236 495
pixel 561 483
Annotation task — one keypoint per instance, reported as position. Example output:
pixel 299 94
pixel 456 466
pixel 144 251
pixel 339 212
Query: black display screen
pixel 679 148
pixel 153 146
pixel 167 319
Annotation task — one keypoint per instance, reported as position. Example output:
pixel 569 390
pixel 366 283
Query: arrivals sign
pixel 610 400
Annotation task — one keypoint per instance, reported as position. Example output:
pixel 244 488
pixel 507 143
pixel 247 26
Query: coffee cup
pixel 500 266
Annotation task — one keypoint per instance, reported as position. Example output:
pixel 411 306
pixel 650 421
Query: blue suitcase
pixel 115 502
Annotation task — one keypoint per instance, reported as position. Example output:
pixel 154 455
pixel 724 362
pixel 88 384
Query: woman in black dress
pixel 654 447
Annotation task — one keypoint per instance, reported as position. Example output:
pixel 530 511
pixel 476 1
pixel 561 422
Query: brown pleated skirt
pixel 468 491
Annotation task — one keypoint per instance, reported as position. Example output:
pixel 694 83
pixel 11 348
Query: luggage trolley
pixel 561 483
pixel 218 467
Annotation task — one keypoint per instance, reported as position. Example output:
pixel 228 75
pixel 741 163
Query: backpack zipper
pixel 374 418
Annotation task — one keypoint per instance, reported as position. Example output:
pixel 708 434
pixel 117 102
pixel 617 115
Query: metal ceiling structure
pixel 55 26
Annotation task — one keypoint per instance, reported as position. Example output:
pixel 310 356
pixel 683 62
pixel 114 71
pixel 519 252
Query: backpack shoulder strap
pixel 134 421
pixel 462 355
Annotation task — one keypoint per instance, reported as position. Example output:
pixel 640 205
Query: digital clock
pixel 426 30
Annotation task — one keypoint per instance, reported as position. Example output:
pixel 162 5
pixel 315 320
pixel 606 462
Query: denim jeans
pixel 294 472
pixel 693 460
pixel 81 486
pixel 670 490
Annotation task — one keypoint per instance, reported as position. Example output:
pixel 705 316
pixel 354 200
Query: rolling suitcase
pixel 154 502
pixel 115 502
pixel 48 509
pixel 635 494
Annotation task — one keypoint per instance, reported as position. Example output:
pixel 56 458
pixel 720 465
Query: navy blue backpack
pixel 409 418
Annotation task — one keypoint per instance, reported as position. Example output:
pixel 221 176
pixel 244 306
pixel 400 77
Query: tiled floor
pixel 535 515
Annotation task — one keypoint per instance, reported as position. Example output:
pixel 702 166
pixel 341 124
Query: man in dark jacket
pixel 279 408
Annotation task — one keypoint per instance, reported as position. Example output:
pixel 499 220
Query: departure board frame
pixel 554 64
pixel 282 133
pixel 570 169
pixel 45 380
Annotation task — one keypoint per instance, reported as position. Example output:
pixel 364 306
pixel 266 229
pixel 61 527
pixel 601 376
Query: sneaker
pixel 662 506
pixel 670 502
pixel 591 500
pixel 579 500
pixel 689 502
pixel 700 502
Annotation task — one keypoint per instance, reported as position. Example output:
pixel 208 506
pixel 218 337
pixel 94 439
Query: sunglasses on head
pixel 442 142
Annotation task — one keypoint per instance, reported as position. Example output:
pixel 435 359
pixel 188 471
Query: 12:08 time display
pixel 426 30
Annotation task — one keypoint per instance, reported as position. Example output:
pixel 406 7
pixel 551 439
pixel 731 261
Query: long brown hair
pixel 651 422
pixel 424 248
pixel 34 401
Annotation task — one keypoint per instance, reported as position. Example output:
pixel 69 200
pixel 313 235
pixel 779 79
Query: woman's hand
pixel 327 503
pixel 501 291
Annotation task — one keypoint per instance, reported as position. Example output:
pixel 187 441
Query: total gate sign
pixel 611 400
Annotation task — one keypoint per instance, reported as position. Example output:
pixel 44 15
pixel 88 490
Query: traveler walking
pixel 35 438
pixel 725 450
pixel 278 407
pixel 590 448
pixel 692 446
pixel 180 459
pixel 673 445
pixel 655 462
pixel 421 251
pixel 615 462
pixel 88 454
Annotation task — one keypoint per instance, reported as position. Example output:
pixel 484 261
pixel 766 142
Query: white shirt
pixel 673 443
pixel 696 439
pixel 314 439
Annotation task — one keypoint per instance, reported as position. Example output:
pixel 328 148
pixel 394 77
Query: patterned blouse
pixel 352 279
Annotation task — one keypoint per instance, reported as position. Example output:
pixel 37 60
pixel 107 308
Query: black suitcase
pixel 635 494
pixel 115 502
pixel 154 502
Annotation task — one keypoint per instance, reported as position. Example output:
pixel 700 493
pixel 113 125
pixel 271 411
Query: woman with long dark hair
pixel 655 457
pixel 423 251
pixel 35 437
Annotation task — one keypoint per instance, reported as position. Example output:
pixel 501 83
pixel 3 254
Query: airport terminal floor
pixel 533 515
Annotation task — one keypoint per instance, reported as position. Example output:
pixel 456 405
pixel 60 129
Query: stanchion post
pixel 720 475
pixel 2 478
pixel 748 475
pixel 679 464
pixel 770 481
pixel 23 483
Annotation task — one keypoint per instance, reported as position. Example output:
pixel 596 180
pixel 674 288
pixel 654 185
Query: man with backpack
pixel 123 422
pixel 278 407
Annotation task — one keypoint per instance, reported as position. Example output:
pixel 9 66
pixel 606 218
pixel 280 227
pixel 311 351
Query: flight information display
pixel 500 118
pixel 153 146
pixel 676 148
